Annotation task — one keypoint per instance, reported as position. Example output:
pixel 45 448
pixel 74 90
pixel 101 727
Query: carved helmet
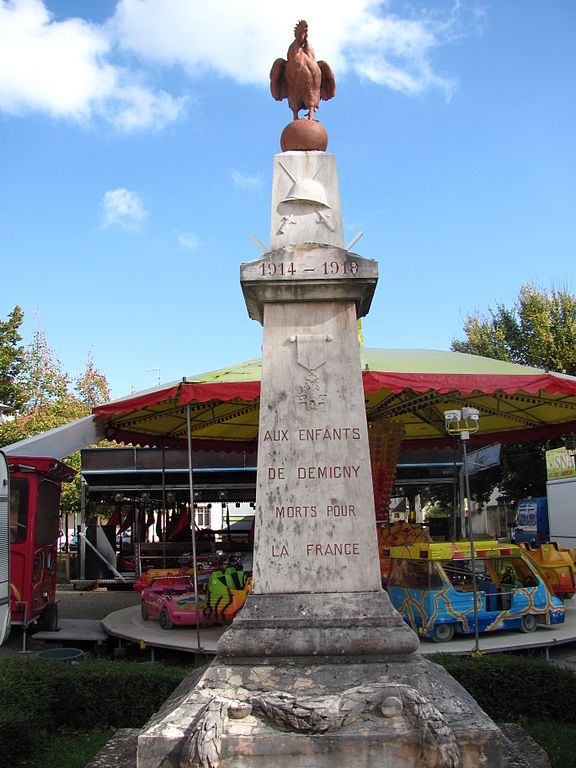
pixel 307 190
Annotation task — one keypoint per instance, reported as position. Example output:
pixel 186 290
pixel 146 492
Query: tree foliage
pixel 11 353
pixel 539 331
pixel 523 469
pixel 92 386
pixel 50 398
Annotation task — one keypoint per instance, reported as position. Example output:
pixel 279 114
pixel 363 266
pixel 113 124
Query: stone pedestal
pixel 315 524
pixel 322 714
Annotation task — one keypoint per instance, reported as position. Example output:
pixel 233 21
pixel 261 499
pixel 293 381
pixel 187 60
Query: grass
pixel 75 750
pixel 70 750
pixel 558 740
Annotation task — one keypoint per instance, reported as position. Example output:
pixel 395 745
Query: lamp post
pixel 462 423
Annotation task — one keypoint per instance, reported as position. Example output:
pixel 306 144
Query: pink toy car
pixel 170 600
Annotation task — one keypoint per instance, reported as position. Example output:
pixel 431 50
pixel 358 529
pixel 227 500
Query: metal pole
pixel 471 538
pixel 98 554
pixel 82 529
pixel 454 499
pixel 193 521
pixel 462 492
pixel 163 513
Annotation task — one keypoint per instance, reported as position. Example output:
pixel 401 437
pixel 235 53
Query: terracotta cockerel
pixel 302 79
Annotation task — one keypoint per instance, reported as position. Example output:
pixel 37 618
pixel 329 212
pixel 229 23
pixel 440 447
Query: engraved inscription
pixel 296 511
pixel 329 433
pixel 275 473
pixel 326 269
pixel 276 435
pixel 340 268
pixel 328 473
pixel 283 269
pixel 280 551
pixel 325 550
pixel 341 510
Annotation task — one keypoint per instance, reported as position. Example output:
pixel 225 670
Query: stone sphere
pixel 391 706
pixel 304 135
pixel 238 710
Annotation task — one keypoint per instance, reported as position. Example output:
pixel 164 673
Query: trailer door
pixel 562 510
pixel 4 551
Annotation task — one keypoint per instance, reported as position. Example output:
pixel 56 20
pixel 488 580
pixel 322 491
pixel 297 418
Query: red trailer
pixel 4 552
pixel 35 485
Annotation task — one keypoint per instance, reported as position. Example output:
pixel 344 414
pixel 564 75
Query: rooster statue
pixel 302 79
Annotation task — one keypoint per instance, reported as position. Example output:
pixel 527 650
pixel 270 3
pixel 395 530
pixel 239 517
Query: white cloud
pixel 64 68
pixel 188 241
pixel 132 106
pixel 241 40
pixel 245 180
pixel 122 207
pixel 79 70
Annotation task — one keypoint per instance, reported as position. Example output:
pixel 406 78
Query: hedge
pixel 513 688
pixel 38 697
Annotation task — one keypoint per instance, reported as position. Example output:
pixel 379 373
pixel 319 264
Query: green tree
pixel 42 378
pixel 50 399
pixel 523 469
pixel 92 386
pixel 45 402
pixel 540 331
pixel 91 389
pixel 11 354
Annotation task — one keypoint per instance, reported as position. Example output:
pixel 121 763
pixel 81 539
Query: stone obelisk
pixel 316 568
pixel 317 669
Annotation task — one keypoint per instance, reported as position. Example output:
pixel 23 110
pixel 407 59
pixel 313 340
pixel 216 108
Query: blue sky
pixel 136 149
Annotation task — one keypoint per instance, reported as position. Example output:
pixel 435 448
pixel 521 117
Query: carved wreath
pixel 307 714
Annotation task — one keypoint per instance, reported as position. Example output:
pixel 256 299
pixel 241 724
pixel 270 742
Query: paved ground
pixel 73 604
pixel 94 604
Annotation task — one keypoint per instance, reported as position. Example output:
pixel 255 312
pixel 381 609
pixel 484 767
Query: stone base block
pixel 333 714
pixel 347 624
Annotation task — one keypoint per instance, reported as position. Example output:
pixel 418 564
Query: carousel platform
pixel 127 626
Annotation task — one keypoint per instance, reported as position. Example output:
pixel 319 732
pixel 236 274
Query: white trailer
pixel 562 510
pixel 4 550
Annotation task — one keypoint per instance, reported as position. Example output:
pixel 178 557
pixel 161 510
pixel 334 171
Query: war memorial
pixel 318 669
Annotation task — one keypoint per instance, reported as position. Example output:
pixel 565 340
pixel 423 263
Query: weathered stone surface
pixel 119 752
pixel 305 200
pixel 370 740
pixel 361 625
pixel 305 273
pixel 519 750
pixel 316 527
